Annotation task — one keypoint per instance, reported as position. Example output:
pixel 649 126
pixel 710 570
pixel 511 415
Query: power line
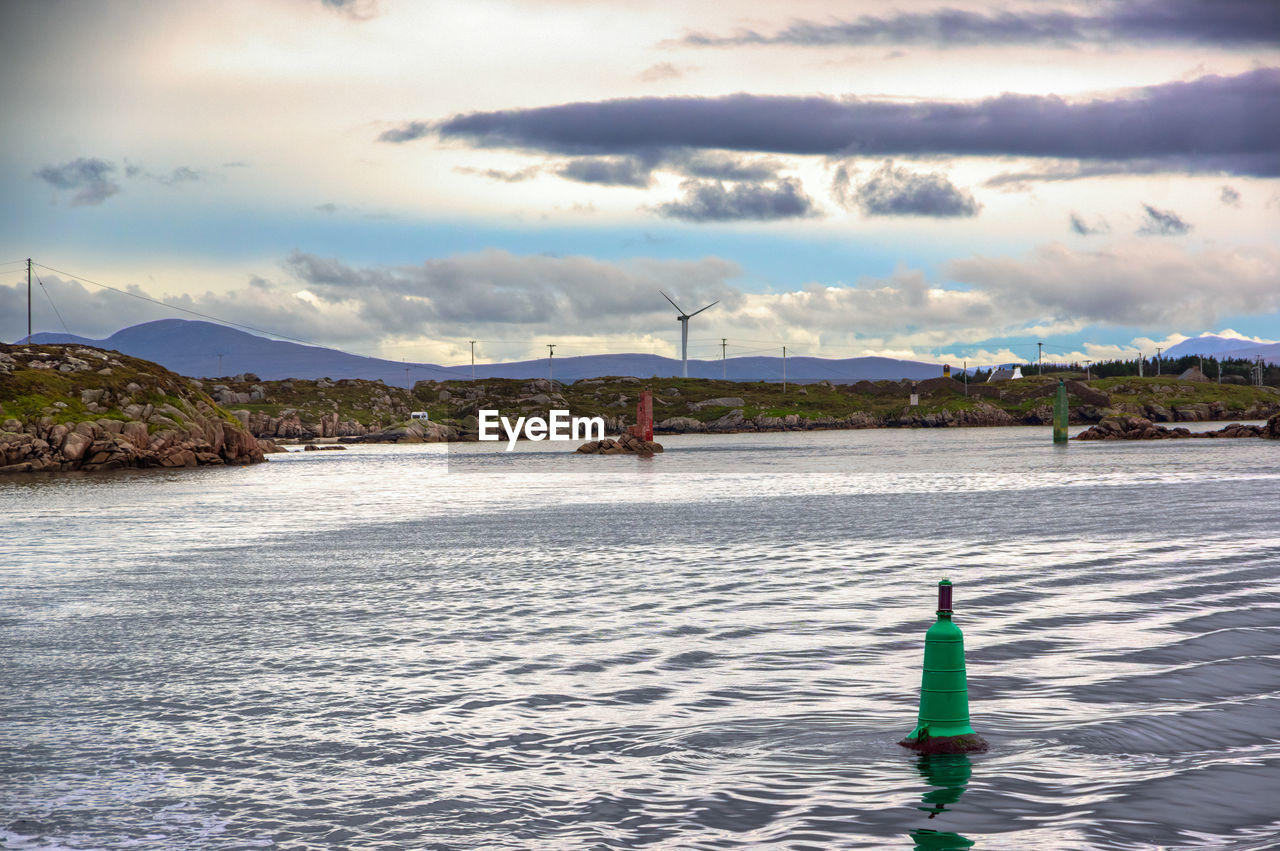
pixel 180 309
pixel 54 306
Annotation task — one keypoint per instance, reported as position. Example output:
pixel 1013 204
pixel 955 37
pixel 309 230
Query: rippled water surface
pixel 421 647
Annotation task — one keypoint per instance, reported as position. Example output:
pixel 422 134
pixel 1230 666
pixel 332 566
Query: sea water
pixel 718 647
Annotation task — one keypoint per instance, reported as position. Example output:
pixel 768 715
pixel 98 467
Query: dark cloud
pixel 328 208
pixel 407 132
pixel 710 201
pixel 179 175
pixel 1226 23
pixel 842 185
pixel 636 170
pixel 892 191
pixel 1230 197
pixel 1247 164
pixel 94 179
pixel 718 166
pixel 500 175
pixel 90 178
pixel 1229 124
pixel 609 171
pixel 1081 227
pixel 1162 223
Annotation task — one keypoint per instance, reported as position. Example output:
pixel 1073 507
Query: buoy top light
pixel 944 597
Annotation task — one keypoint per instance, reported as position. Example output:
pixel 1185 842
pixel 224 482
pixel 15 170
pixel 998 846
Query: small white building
pixel 419 415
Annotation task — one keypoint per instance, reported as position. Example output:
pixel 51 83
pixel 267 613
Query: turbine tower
pixel 684 331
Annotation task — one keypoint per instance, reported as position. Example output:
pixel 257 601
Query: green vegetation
pixel 32 386
pixel 880 402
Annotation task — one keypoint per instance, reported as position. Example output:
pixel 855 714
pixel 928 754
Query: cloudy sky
pixel 938 180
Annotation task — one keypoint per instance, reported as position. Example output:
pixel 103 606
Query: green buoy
pixel 943 723
pixel 1061 413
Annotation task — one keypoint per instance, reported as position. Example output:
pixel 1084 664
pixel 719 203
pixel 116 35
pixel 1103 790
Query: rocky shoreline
pixel 71 407
pixel 1141 428
pixel 86 409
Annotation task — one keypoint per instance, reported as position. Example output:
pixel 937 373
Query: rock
pixel 1140 428
pixel 1195 413
pixel 984 414
pixel 720 402
pixel 136 433
pixel 679 425
pixel 181 458
pixel 75 445
pixel 624 444
pixel 730 421
pixel 269 448
pixel 1271 430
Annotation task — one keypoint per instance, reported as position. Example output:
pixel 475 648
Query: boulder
pixel 731 421
pixel 679 425
pixel 1194 413
pixel 180 458
pixel 75 445
pixel 624 444
pixel 719 402
pixel 1140 428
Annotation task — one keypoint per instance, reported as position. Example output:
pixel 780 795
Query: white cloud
pixel 526 301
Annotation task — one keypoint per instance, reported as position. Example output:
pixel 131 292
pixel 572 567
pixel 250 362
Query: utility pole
pixel 1158 351
pixel 551 353
pixel 1040 356
pixel 1086 370
pixel 784 370
pixel 966 378
pixel 473 360
pixel 219 364
pixel 28 300
pixel 724 364
pixel 1140 364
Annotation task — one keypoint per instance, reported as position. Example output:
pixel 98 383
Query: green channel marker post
pixel 1061 413
pixel 943 723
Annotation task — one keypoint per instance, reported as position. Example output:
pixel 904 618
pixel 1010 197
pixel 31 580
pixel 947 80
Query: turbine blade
pixel 673 304
pixel 696 312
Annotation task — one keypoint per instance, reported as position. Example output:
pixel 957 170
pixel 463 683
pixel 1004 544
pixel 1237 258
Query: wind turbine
pixel 684 331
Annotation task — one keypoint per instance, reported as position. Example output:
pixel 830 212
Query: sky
pixel 940 181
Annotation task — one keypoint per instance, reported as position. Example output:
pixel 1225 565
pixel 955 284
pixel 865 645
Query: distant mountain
pixel 1225 347
pixel 205 349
